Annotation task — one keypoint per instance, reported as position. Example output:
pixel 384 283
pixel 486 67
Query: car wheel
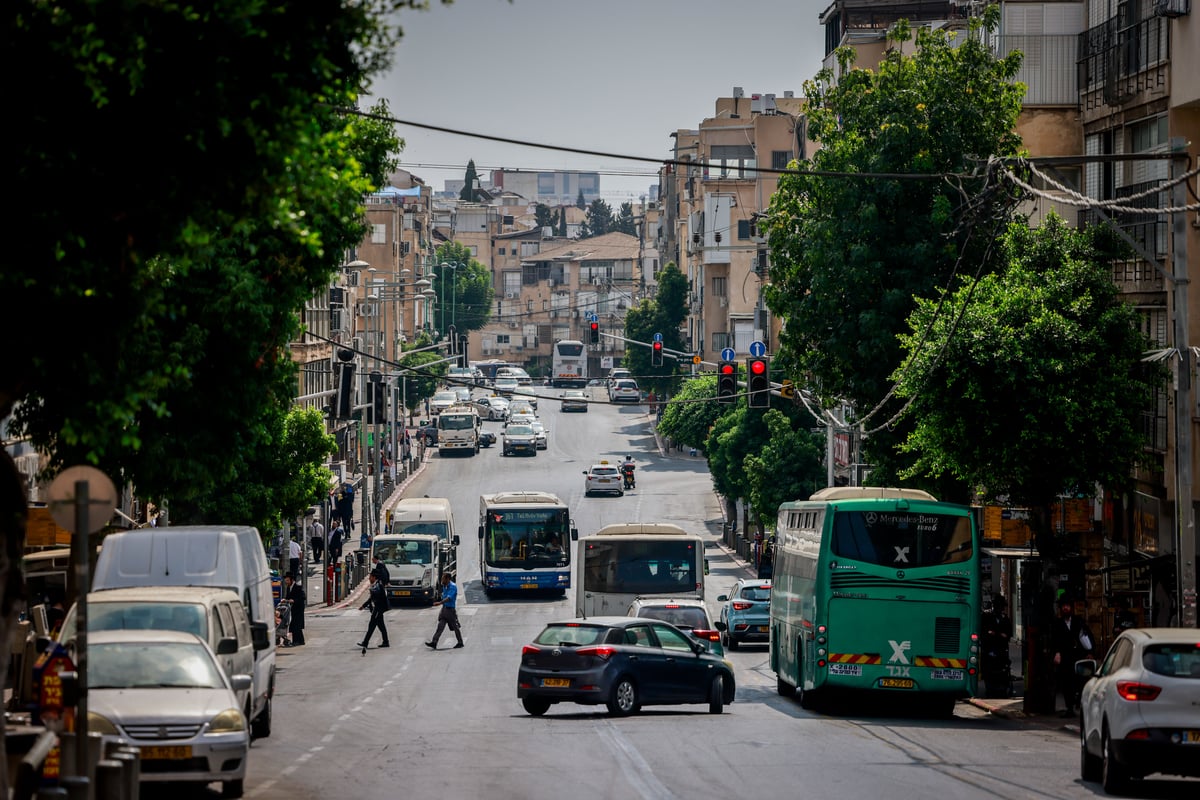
pixel 620 494
pixel 623 700
pixel 1114 777
pixel 233 788
pixel 716 695
pixel 536 706
pixel 1091 768
pixel 260 728
pixel 783 688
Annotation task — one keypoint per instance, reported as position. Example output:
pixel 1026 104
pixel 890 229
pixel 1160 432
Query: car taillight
pixel 711 636
pixel 1132 690
pixel 530 650
pixel 600 651
pixel 741 605
pixel 1141 733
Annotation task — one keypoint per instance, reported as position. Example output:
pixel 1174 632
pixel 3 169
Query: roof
pixel 641 528
pixel 609 247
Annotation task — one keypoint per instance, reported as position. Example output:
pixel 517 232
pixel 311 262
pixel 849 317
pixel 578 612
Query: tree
pixel 470 191
pixel 580 203
pixel 625 222
pixel 421 375
pixel 735 435
pixel 692 412
pixel 465 292
pixel 850 255
pixel 561 227
pixel 1030 384
pixel 599 220
pixel 789 467
pixel 543 216
pixel 665 315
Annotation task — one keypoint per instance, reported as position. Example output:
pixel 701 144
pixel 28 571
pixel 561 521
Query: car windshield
pixel 151 665
pixel 1176 660
pixel 445 397
pixel 435 528
pixel 518 430
pixel 571 634
pixel 756 593
pixel 412 552
pixel 182 617
pixel 686 617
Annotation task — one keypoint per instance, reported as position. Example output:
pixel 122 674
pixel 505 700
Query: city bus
pixel 875 589
pixel 620 563
pixel 568 365
pixel 523 542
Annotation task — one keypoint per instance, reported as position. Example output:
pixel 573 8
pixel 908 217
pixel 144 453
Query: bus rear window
pixel 901 539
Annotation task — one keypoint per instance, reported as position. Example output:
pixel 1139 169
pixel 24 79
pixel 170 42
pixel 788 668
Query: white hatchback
pixel 1140 710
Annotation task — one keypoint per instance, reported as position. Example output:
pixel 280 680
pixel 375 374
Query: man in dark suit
pixel 293 595
pixel 377 601
pixel 1072 642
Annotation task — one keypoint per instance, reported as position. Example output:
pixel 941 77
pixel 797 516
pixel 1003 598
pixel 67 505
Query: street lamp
pixel 445 265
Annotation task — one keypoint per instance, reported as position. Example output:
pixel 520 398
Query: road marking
pixel 327 738
pixel 635 768
pixel 344 717
pixel 288 770
pixel 261 788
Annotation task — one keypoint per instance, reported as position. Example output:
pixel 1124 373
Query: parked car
pixel 519 439
pixel 574 400
pixel 624 390
pixel 603 477
pixel 745 613
pixel 622 662
pixel 487 438
pixel 540 433
pixel 164 693
pixel 1140 708
pixel 429 433
pixel 689 614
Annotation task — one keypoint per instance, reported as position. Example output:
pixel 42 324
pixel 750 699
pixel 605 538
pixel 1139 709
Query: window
pixel 501 251
pixel 901 539
pixel 745 229
pixel 502 338
pixel 780 158
pixel 669 639
pixel 378 233
pixel 719 285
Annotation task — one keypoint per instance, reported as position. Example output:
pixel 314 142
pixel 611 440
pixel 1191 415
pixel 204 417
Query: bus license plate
pixel 561 683
pixel 845 669
pixel 528 585
pixel 1191 737
pixel 896 683
pixel 172 753
pixel 946 674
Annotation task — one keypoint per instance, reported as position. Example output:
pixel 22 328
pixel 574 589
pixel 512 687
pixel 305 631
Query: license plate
pixel 404 593
pixel 561 683
pixel 896 683
pixel 946 674
pixel 172 753
pixel 761 629
pixel 529 586
pixel 845 669
pixel 1191 737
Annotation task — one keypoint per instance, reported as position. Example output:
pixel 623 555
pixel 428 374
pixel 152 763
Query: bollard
pixel 132 758
pixel 108 780
pixel 95 751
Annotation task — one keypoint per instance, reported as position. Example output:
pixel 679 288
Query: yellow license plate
pixel 556 682
pixel 1191 737
pixel 172 753
pixel 896 683
pixel 403 593
pixel 528 585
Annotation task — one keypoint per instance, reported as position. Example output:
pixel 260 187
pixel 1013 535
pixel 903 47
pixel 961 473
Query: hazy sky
pixel 617 76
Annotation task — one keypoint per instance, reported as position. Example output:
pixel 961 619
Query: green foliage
pixel 543 216
pixel 665 315
pixel 421 376
pixel 465 292
pixel 849 255
pixel 736 434
pixel 580 203
pixel 625 221
pixel 1038 388
pixel 692 412
pixel 789 467
pixel 470 190
pixel 599 220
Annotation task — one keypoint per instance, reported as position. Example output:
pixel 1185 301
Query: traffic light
pixel 345 397
pixel 726 382
pixel 758 382
pixel 378 403
pixel 595 332
pixel 656 354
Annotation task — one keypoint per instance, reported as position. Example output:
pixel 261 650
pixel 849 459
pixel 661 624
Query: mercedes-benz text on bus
pixel 875 589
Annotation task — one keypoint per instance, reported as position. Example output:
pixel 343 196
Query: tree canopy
pixel 599 220
pixel 664 314
pixel 470 190
pixel 465 290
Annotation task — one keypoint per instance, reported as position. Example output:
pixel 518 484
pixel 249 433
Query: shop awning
pixel 1011 552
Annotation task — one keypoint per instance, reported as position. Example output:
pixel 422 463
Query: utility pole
pixel 1185 517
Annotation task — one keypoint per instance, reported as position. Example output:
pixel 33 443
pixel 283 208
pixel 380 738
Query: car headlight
pixel 99 724
pixel 228 721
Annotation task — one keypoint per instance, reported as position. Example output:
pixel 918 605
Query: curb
pixel 1012 711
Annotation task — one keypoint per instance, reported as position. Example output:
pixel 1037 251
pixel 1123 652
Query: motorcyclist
pixel 627 468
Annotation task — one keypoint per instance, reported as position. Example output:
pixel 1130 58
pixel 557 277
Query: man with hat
pixel 1072 641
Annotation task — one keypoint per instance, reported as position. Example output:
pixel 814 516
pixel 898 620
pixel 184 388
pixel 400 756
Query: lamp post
pixel 452 265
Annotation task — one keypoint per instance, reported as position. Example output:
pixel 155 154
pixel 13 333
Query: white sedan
pixel 164 693
pixel 603 477
pixel 1140 709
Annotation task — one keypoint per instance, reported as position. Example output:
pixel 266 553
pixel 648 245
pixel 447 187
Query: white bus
pixel 568 366
pixel 620 563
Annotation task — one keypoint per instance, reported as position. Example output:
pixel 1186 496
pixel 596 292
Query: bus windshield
pixel 570 348
pixel 534 536
pixel 640 567
pixel 897 538
pixel 411 552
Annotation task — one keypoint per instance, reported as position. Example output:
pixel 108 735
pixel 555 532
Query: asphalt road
pixel 407 721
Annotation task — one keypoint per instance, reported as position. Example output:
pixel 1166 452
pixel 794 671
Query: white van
pixel 427 515
pixel 215 615
pixel 224 556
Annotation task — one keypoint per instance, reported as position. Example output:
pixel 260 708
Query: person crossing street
pixel 377 601
pixel 448 616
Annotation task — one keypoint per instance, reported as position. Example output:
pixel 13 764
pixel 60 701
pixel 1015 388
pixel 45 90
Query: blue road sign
pixel 758 349
pixel 658 337
pixel 728 354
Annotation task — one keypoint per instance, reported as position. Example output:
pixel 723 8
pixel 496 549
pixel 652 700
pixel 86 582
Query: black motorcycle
pixel 627 475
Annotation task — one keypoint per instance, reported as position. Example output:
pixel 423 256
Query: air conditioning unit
pixel 510 295
pixel 1172 8
pixel 512 325
pixel 724 301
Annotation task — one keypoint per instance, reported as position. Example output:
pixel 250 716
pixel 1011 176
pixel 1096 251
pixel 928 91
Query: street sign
pixel 787 389
pixel 696 359
pixel 758 349
pixel 728 354
pixel 658 337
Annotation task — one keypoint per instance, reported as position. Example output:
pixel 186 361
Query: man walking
pixel 449 613
pixel 335 541
pixel 377 601
pixel 1072 641
pixel 294 554
pixel 294 597
pixel 317 540
pixel 380 570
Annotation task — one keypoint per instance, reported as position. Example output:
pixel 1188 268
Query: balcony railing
pixel 1118 61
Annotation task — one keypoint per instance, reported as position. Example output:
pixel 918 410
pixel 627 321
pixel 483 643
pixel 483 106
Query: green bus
pixel 876 589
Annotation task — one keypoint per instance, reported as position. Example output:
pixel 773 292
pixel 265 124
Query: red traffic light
pixel 658 345
pixel 595 326
pixel 758 366
pixel 727 369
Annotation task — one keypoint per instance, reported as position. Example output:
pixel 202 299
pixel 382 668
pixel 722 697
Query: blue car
pixel 745 613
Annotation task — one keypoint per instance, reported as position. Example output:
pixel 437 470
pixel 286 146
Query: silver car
pixel 164 693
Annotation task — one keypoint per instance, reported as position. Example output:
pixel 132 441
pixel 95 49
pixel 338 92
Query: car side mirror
pixel 480 531
pixel 227 646
pixel 454 540
pixel 1086 668
pixel 721 626
pixel 259 636
pixel 241 683
pixel 574 534
pixel 721 598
